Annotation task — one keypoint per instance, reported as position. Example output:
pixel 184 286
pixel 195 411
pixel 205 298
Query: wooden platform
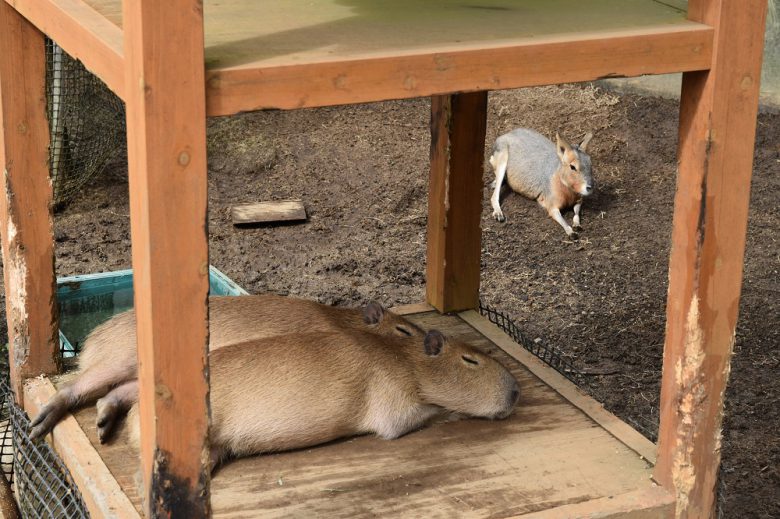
pixel 292 54
pixel 555 456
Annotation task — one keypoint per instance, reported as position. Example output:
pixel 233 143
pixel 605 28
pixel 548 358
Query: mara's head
pixel 576 170
pixel 457 377
pixel 380 320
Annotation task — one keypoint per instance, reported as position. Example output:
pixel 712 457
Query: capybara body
pixel 300 390
pixel 108 363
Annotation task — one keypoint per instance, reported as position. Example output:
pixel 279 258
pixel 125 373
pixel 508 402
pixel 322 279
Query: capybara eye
pixel 403 330
pixel 470 360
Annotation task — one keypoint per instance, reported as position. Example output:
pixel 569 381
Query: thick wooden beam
pixel 524 62
pixel 83 33
pixel 166 127
pixel 458 125
pixel 26 201
pixel 717 131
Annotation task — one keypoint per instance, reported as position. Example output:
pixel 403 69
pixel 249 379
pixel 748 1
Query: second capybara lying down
pixel 108 363
pixel 300 390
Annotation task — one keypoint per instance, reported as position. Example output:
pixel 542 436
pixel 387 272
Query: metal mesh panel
pixel 551 356
pixel 6 432
pixel 646 425
pixel 86 123
pixel 44 488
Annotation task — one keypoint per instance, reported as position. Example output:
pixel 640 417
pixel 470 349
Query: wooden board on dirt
pixel 267 212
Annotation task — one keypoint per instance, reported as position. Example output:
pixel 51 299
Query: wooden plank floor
pixel 547 454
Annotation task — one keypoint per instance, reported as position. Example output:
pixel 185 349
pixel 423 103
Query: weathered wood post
pixel 26 202
pixel 166 130
pixel 717 131
pixel 458 124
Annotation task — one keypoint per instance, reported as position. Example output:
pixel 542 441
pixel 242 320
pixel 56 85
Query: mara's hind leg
pixel 87 387
pixel 499 162
pixel 117 402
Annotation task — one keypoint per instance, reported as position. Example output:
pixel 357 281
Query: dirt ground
pixel 362 173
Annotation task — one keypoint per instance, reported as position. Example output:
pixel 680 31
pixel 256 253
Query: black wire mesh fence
pixel 86 124
pixel 548 354
pixel 6 431
pixel 556 359
pixel 43 486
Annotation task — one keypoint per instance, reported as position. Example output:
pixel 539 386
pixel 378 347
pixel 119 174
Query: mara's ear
pixel 373 313
pixel 434 342
pixel 585 141
pixel 561 146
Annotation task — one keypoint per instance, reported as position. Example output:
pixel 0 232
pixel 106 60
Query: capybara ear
pixel 434 342
pixel 373 313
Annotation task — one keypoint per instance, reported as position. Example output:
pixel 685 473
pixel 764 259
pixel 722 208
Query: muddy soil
pixel 362 173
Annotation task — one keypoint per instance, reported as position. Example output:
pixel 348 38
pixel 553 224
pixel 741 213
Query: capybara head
pixel 460 378
pixel 577 170
pixel 383 321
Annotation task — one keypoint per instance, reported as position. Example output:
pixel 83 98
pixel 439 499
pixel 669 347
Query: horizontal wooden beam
pixel 649 503
pixel 525 62
pixel 83 33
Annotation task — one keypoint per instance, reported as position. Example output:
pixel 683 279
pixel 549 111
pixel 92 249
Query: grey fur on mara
pixel 557 176
pixel 108 363
pixel 300 390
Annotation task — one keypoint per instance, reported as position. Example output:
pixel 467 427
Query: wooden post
pixel 26 202
pixel 166 127
pixel 458 125
pixel 717 131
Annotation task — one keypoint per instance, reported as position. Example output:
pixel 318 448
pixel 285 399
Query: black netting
pixel 44 488
pixel 86 123
pixel 6 431
pixel 647 425
pixel 550 355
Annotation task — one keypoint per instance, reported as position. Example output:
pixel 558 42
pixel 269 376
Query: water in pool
pixel 80 314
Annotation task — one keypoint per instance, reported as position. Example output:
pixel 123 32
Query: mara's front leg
pixel 556 215
pixel 576 222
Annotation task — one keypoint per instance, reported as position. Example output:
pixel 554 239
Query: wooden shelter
pixel 279 54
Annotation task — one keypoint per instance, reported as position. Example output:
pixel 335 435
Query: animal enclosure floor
pixel 548 454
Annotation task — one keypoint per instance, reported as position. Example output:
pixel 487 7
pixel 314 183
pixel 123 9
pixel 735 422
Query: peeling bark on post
pixel 458 124
pixel 166 126
pixel 717 130
pixel 26 202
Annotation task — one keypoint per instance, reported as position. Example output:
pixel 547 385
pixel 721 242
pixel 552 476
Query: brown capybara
pixel 108 364
pixel 300 390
